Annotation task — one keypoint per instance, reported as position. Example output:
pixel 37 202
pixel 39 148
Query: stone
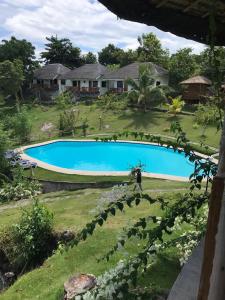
pixel 78 285
pixel 67 236
pixel 9 278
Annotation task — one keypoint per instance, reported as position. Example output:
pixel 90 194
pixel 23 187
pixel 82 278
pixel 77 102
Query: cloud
pixel 87 23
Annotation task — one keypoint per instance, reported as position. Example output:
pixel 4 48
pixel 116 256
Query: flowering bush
pixel 19 190
pixel 190 239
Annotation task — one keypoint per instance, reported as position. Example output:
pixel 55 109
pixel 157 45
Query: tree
pixel 61 51
pixel 90 58
pixel 182 65
pixel 207 115
pixel 127 57
pixel 203 60
pixel 11 79
pixel 141 90
pixel 23 50
pixel 110 55
pixel 22 126
pixel 150 50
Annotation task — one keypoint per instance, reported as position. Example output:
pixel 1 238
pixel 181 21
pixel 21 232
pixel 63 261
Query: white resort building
pixel 90 80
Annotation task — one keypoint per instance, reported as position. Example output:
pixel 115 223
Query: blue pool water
pixel 112 156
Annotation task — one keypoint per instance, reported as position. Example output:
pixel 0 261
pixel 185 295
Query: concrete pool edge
pixel 53 168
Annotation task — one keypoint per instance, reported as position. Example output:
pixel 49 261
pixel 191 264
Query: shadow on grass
pixel 138 119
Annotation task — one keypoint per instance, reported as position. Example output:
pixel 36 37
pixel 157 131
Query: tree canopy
pixel 11 78
pixel 90 58
pixel 150 50
pixel 23 50
pixel 61 51
pixel 182 66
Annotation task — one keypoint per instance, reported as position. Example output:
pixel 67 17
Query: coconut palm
pixel 141 90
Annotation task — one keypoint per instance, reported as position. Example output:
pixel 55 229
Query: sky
pixel 87 23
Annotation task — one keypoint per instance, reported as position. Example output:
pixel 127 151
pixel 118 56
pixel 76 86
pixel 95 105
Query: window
pixel 38 81
pixel 103 84
pixel 120 84
pixel 158 83
pixel 63 81
pixel 75 83
pixel 95 84
pixel 55 81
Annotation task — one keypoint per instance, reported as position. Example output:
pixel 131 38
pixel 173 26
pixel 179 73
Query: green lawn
pixel 117 121
pixel 72 211
pixel 148 183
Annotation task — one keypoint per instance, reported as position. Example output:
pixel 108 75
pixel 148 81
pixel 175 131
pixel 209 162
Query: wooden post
pixel 212 281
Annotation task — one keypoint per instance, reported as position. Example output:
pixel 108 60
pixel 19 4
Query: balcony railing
pixel 84 90
pixel 118 90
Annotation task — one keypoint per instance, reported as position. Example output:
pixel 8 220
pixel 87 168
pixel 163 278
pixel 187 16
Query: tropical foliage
pixel 176 105
pixel 11 79
pixel 141 90
pixel 68 121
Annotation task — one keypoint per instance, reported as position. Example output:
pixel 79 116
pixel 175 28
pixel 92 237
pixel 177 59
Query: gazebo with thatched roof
pixel 195 89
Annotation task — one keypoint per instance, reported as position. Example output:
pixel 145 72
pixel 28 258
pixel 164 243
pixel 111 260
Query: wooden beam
pixel 161 3
pixel 210 239
pixel 205 15
pixel 191 5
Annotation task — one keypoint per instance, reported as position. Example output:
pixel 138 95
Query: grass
pixel 72 211
pixel 117 121
pixel 148 183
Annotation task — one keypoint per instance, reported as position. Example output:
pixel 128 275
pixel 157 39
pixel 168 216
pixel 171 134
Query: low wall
pixel 55 186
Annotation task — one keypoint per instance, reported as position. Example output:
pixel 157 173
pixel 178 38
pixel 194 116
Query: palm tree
pixel 176 105
pixel 141 90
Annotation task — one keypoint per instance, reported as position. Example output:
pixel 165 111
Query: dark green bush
pixel 32 236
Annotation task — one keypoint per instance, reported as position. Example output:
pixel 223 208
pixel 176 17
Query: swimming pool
pixel 100 157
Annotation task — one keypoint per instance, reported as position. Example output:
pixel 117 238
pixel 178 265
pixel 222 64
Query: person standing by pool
pixel 138 179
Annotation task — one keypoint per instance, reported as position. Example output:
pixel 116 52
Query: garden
pixel 134 243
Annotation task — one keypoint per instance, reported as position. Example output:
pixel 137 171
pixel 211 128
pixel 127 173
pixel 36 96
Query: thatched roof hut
pixel 184 18
pixel 197 80
pixel 196 89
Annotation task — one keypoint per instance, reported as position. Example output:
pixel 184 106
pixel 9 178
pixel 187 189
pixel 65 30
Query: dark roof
pixel 87 71
pixel 197 80
pixel 132 71
pixel 186 18
pixel 50 71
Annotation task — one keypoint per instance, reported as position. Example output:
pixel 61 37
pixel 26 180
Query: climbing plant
pixel 154 232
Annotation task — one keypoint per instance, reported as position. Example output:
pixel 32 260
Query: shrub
pixel 21 126
pixel 19 191
pixel 67 121
pixel 111 101
pixel 156 97
pixel 4 165
pixel 176 105
pixel 63 100
pixel 32 235
pixel 19 188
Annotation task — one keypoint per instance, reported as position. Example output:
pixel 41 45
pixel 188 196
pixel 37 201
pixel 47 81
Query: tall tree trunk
pixel 212 281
